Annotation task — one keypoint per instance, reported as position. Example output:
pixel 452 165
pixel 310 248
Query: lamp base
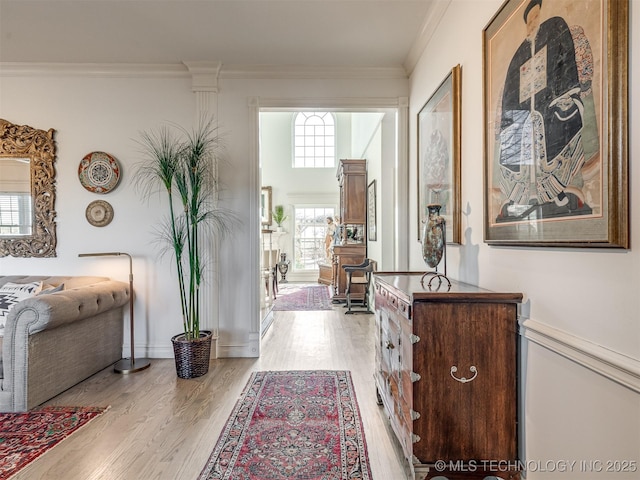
pixel 126 366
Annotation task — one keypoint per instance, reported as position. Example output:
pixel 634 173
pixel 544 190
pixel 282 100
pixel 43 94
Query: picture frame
pixel 372 227
pixel 556 125
pixel 439 153
pixel 265 206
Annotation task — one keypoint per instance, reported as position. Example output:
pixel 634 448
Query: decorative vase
pixel 283 267
pixel 192 356
pixel 433 237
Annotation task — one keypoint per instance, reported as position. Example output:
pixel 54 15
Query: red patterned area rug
pixel 27 435
pixel 304 297
pixel 293 425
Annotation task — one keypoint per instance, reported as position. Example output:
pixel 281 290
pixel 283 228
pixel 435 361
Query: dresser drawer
pixel 404 309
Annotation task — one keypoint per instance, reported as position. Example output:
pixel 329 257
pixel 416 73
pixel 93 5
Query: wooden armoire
pixel 352 180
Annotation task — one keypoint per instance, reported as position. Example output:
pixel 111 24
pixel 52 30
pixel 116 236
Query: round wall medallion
pixel 99 213
pixel 99 172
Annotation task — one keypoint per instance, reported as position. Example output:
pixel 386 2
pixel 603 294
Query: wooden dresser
pixel 446 373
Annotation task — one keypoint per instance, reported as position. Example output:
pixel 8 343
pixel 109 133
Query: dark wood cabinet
pixel 446 373
pixel 352 179
pixel 325 273
pixel 347 255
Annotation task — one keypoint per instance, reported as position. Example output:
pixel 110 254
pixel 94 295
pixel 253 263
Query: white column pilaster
pixel 402 187
pixel 253 105
pixel 204 77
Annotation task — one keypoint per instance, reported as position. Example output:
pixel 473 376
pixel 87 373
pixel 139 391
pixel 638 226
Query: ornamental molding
pixel 187 69
pixel 613 365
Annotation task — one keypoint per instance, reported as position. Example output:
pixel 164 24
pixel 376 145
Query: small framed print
pixel 265 207
pixel 372 227
pixel 555 124
pixel 439 155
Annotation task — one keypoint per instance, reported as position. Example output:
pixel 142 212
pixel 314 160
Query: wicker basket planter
pixel 192 356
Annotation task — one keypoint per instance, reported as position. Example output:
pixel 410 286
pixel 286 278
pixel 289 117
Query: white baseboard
pixel 149 351
pixel 613 365
pixel 164 351
pixel 251 349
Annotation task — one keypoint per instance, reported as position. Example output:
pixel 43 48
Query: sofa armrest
pixel 36 320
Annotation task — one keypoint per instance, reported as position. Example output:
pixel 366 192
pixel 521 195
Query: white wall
pixel 588 297
pixel 105 109
pixel 104 114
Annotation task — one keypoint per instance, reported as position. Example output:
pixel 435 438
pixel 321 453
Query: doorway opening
pixel 299 150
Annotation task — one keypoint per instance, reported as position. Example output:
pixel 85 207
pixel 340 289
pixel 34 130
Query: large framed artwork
pixel 439 155
pixel 555 124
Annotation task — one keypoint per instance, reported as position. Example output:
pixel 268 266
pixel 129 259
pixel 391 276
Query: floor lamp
pixel 133 364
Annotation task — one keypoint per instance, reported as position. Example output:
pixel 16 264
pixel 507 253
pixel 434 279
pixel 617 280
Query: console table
pixel 446 374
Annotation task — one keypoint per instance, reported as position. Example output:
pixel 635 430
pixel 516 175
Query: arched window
pixel 314 140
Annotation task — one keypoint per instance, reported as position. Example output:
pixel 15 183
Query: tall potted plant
pixel 182 165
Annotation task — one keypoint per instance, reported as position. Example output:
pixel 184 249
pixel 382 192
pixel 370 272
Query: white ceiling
pixel 313 33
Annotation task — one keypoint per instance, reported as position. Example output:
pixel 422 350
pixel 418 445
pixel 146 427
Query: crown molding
pixel 200 69
pixel 303 72
pixel 432 20
pixel 204 75
pixel 15 69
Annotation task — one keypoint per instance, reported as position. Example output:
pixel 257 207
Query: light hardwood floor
pixel 161 427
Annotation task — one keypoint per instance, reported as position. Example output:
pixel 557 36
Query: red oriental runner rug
pixel 293 425
pixel 299 298
pixel 25 436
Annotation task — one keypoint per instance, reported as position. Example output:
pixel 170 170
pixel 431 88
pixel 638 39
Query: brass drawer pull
pixel 390 346
pixel 472 369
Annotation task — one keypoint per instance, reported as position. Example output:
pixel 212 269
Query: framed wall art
pixel 265 206
pixel 372 227
pixel 439 155
pixel 555 124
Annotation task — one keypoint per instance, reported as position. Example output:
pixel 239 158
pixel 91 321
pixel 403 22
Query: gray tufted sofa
pixel 54 341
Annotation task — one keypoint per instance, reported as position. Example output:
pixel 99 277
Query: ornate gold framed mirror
pixel 27 191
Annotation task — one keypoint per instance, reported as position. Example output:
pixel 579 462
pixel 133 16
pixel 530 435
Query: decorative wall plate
pixel 99 172
pixel 99 213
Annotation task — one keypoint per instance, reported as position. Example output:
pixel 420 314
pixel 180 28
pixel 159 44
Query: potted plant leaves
pixel 279 216
pixel 181 164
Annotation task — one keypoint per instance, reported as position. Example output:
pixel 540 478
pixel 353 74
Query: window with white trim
pixel 15 214
pixel 314 140
pixel 310 227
